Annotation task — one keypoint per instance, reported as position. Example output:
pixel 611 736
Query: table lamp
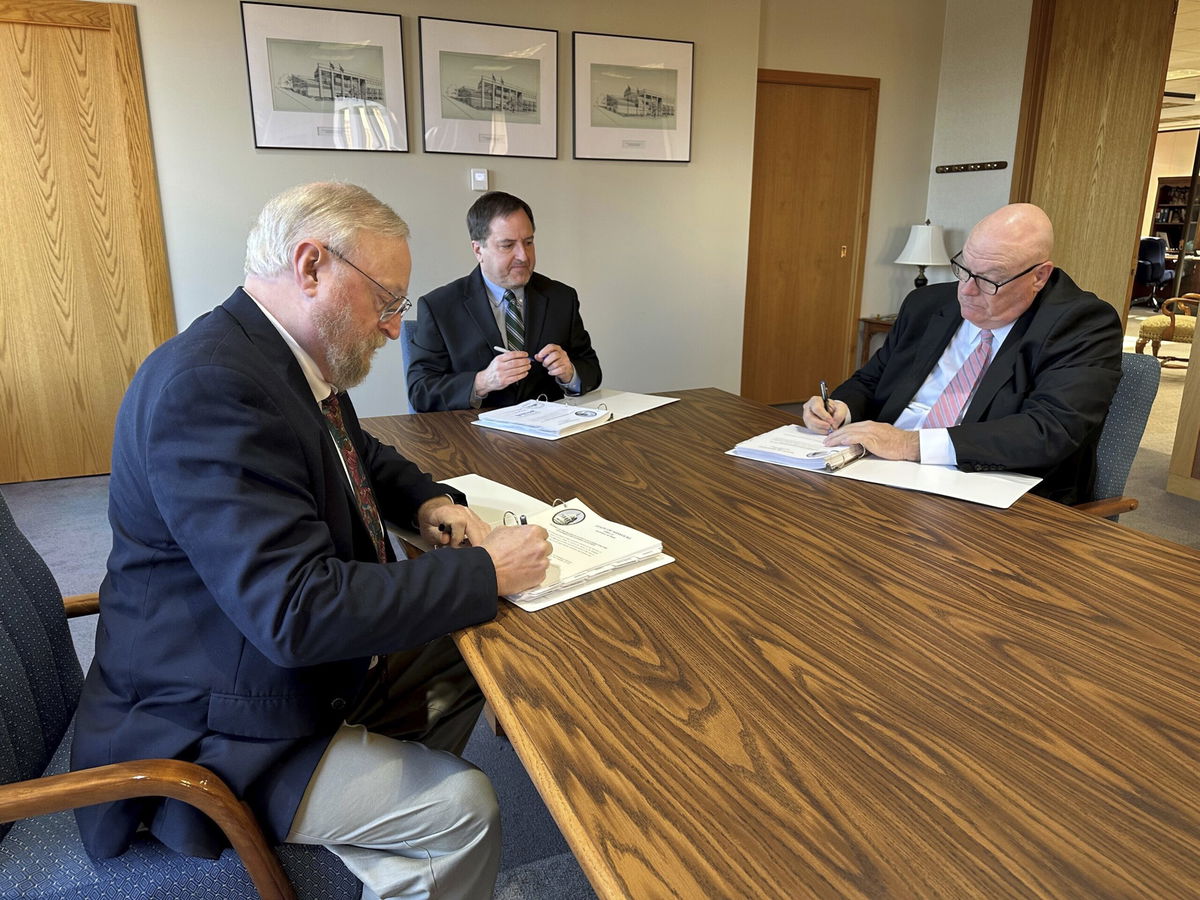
pixel 926 247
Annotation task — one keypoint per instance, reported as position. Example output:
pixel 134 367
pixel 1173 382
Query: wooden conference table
pixel 841 689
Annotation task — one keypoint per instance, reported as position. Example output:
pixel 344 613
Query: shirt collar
pixel 971 333
pixel 496 293
pixel 312 372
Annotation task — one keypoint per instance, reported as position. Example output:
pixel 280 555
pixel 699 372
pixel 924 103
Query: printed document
pixel 791 444
pixel 589 552
pixel 544 419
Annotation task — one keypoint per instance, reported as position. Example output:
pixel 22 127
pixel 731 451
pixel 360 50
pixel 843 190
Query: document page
pixel 622 404
pixel 586 545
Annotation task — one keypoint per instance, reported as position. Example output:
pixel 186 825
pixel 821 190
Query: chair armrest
pixel 1113 506
pixel 193 784
pixel 81 605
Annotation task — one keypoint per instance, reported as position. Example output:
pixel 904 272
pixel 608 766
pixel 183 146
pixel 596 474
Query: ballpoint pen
pixel 825 397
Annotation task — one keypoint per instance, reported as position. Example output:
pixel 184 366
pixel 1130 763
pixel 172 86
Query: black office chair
pixel 1152 276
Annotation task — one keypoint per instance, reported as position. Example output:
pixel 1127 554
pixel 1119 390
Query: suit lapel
pixel 535 318
pixel 942 326
pixel 479 309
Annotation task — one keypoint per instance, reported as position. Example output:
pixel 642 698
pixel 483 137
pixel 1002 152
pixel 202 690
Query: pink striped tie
pixel 949 406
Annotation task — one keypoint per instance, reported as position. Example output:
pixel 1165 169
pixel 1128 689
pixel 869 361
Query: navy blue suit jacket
pixel 243 599
pixel 1043 399
pixel 456 332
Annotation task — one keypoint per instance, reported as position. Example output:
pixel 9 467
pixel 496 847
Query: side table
pixel 871 326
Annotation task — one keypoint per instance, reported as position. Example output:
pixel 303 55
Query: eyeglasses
pixel 985 285
pixel 399 305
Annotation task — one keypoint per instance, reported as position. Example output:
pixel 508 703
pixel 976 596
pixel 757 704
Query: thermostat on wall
pixel 479 179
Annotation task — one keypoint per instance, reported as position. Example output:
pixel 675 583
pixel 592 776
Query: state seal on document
pixel 568 516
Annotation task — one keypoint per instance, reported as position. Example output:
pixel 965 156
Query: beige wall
pixel 1174 153
pixel 900 44
pixel 657 250
pixel 978 107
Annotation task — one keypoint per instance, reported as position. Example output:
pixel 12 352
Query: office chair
pixel 1121 435
pixel 1152 274
pixel 408 337
pixel 41 853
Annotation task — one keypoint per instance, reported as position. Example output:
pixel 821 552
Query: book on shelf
pixel 543 418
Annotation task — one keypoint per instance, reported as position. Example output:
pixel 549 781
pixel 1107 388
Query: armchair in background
pixel 1176 323
pixel 1152 276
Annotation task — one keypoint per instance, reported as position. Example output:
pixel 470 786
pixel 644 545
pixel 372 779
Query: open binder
pixel 791 445
pixel 543 418
pixel 590 551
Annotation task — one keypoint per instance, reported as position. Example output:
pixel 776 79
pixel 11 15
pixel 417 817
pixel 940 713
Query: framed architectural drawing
pixel 633 98
pixel 325 79
pixel 489 89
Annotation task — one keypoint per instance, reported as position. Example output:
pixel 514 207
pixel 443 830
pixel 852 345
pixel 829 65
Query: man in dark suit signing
pixel 503 334
pixel 254 618
pixel 1013 368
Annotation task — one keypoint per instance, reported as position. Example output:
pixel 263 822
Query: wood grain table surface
pixel 841 689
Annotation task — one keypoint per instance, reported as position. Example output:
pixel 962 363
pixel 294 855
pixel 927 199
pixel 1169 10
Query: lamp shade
pixel 926 247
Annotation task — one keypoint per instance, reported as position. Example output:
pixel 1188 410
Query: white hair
pixel 329 211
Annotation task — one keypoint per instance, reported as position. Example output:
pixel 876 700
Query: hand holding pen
pixel 507 367
pixel 824 415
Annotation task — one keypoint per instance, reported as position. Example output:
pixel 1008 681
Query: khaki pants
pixel 391 797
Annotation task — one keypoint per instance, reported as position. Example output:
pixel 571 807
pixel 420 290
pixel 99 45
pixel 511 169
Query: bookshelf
pixel 1171 209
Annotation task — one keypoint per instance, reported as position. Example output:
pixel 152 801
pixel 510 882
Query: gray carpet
pixel 66 520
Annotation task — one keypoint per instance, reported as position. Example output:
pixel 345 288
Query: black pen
pixel 825 397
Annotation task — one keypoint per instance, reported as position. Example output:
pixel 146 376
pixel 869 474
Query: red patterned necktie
pixel 945 412
pixel 358 477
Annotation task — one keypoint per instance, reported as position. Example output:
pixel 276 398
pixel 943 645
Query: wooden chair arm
pixel 81 605
pixel 1113 506
pixel 193 784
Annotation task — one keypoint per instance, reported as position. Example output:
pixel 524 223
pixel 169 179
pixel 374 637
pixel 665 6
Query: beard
pixel 348 354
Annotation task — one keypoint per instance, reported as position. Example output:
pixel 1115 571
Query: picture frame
pixel 632 97
pixel 488 90
pixel 325 79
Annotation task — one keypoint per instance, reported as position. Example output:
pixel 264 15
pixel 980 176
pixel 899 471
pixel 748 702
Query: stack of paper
pixel 541 418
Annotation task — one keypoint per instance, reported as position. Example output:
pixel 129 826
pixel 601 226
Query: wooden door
pixel 1094 77
pixel 814 145
pixel 85 294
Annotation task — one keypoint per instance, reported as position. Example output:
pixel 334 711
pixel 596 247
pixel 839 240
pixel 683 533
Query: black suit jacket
pixel 1043 398
pixel 456 332
pixel 243 599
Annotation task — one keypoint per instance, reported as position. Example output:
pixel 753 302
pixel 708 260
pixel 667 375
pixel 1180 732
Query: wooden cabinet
pixel 1170 209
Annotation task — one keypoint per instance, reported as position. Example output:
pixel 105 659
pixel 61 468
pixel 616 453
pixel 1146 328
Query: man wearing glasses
pixel 254 618
pixel 504 333
pixel 1011 368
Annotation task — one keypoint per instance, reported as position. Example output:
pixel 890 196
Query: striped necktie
pixel 514 325
pixel 363 494
pixel 949 406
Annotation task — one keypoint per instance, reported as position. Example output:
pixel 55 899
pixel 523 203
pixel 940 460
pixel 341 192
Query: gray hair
pixel 329 211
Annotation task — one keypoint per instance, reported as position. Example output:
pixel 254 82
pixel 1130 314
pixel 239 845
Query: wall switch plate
pixel 479 179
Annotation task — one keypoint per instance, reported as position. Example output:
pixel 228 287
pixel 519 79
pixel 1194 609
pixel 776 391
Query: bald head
pixel 1020 231
pixel 1012 248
